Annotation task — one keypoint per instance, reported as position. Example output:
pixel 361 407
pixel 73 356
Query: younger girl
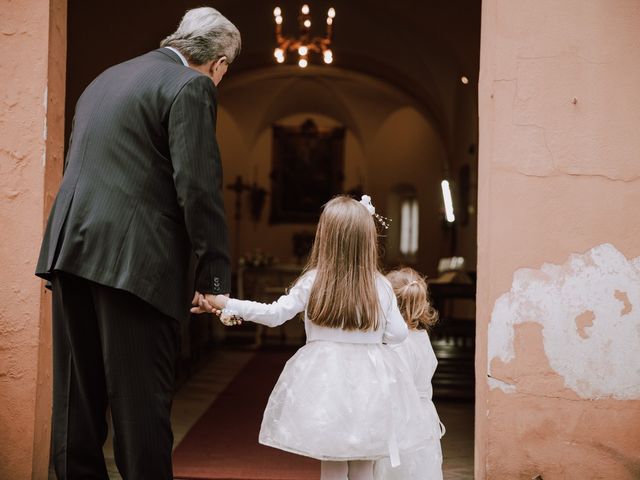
pixel 417 353
pixel 345 397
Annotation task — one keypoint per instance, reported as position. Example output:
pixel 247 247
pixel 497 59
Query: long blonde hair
pixel 345 257
pixel 413 298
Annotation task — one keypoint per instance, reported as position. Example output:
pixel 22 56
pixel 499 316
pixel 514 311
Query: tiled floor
pixel 198 393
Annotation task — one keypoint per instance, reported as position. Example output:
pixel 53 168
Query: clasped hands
pixel 208 303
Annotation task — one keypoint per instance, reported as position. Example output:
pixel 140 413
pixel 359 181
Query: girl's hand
pixel 208 303
pixel 220 301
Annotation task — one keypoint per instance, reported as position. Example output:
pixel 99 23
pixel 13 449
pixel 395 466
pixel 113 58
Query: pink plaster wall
pixel 32 53
pixel 559 188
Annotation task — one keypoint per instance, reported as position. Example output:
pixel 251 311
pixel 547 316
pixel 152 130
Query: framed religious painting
pixel 308 170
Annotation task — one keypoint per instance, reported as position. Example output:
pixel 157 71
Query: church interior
pixel 390 111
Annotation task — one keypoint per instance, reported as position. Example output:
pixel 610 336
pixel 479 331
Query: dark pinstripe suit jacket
pixel 142 185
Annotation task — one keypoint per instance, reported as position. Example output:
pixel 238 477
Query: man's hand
pixel 208 303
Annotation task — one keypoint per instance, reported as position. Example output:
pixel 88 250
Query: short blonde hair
pixel 413 298
pixel 345 256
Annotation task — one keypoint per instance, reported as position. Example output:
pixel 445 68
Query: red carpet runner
pixel 223 444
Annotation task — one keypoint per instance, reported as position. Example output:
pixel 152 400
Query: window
pixel 409 226
pixel 403 236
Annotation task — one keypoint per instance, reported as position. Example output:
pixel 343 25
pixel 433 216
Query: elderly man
pixel 140 193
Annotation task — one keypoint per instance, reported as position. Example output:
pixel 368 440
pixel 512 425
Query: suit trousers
pixel 110 349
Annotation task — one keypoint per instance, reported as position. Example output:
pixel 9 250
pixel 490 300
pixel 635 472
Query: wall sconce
pixel 448 201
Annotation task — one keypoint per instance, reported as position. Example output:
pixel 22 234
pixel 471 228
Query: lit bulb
pixel 278 52
pixel 302 63
pixel 305 9
pixel 329 21
pixel 280 59
pixel 307 23
pixel 328 56
pixel 332 12
pixel 303 50
pixel 464 80
pixel 279 20
pixel 277 12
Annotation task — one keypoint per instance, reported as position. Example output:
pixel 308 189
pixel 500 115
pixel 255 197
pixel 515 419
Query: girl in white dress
pixel 417 353
pixel 344 398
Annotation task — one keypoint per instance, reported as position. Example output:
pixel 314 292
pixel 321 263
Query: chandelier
pixel 304 43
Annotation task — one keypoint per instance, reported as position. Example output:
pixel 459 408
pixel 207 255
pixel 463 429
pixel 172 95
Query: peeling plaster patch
pixel 555 296
pixel 584 321
pixel 624 298
pixel 575 144
pixel 501 384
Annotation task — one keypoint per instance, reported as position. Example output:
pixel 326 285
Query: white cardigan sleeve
pixel 278 312
pixel 396 330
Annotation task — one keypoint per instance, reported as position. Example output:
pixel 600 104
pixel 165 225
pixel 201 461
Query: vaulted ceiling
pixel 420 47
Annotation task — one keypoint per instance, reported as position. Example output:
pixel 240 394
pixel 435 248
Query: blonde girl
pixel 417 353
pixel 345 397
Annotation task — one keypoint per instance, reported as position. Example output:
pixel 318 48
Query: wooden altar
pixel 266 284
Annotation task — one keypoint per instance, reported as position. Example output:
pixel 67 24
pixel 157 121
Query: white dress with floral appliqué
pixel 345 395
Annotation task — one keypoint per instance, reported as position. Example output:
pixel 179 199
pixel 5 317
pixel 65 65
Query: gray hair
pixel 204 34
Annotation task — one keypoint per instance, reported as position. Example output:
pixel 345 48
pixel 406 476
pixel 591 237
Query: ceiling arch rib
pixel 258 98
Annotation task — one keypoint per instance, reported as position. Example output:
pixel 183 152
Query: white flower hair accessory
pixel 366 201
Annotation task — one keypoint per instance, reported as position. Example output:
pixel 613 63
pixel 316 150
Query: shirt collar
pixel 182 59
